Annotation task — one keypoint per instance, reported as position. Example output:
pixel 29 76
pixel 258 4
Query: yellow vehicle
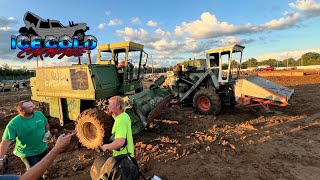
pixel 80 92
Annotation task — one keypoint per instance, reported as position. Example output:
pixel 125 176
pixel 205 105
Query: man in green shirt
pixel 121 130
pixel 28 130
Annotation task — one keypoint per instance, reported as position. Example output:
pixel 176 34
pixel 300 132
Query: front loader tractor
pixel 212 83
pixel 80 92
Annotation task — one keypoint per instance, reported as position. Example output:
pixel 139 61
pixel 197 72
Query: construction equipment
pixel 215 82
pixel 80 92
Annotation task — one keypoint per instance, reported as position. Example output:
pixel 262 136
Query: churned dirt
pixel 238 144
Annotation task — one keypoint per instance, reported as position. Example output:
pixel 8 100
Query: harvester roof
pixel 233 48
pixel 120 45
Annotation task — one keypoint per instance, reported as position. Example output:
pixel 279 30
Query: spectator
pixel 30 129
pixel 122 140
pixel 36 171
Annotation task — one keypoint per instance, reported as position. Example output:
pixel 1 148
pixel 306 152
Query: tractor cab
pixel 127 57
pixel 225 62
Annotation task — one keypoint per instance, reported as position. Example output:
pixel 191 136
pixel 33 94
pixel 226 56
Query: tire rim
pixel 204 103
pixel 89 131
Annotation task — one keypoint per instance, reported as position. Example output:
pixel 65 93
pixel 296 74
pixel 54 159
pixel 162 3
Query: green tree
pixel 270 62
pixel 310 58
pixel 252 62
pixel 289 62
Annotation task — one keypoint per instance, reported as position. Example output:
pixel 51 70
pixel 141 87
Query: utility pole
pixel 287 61
pixel 37 62
pixel 152 64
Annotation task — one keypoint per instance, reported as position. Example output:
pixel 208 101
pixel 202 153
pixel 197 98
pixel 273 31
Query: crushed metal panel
pixel 261 88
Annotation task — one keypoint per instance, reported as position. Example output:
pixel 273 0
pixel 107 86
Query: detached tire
pixel 207 102
pixel 93 128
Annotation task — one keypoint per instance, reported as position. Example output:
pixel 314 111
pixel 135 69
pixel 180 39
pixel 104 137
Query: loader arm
pixel 207 73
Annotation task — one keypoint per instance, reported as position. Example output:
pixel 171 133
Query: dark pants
pixel 32 160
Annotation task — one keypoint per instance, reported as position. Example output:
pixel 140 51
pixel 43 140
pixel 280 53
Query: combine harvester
pixel 215 81
pixel 80 92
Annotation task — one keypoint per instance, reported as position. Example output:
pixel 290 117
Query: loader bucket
pixel 261 90
pixel 145 106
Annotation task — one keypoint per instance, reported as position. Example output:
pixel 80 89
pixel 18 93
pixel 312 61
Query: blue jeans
pixel 9 177
pixel 32 160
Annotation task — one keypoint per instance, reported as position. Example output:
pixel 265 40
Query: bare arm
pixel 40 168
pixel 116 144
pixel 4 147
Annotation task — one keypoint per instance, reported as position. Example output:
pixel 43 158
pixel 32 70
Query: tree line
pixel 6 70
pixel 310 58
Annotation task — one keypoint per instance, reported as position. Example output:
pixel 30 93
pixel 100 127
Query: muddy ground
pixel 241 144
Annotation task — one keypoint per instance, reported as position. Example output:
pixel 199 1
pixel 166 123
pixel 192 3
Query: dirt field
pixel 239 144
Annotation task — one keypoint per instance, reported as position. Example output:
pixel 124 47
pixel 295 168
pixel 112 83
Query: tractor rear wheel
pixel 206 102
pixel 93 128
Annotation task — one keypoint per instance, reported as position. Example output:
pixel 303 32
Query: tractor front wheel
pixel 206 102
pixel 93 128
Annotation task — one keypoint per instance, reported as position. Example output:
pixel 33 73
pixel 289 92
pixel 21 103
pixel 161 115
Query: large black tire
pixel 93 128
pixel 206 102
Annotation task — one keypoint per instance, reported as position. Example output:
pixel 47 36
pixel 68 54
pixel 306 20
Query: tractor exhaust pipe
pixel 89 57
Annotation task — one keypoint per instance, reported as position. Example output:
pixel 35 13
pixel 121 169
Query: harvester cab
pixel 128 58
pixel 225 62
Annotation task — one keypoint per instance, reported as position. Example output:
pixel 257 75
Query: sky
pixel 176 30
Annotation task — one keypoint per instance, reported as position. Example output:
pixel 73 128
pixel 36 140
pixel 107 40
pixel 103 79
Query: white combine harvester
pixel 215 82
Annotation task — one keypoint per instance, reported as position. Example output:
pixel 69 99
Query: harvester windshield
pixel 127 56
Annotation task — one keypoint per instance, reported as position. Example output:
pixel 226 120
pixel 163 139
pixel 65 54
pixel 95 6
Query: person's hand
pixel 104 147
pixel 2 164
pixel 50 135
pixel 62 141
